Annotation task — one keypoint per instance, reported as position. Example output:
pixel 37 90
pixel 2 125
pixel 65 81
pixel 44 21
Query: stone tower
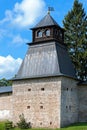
pixel 44 89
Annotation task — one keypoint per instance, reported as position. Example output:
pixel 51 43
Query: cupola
pixel 47 29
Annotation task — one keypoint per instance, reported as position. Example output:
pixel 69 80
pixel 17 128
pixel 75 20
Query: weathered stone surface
pixel 69 101
pixel 45 102
pixel 6 106
pixel 82 103
pixel 40 107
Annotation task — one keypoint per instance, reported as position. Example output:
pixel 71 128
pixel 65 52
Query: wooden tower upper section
pixel 47 29
pixel 47 54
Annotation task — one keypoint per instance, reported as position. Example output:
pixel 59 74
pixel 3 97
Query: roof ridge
pixel 47 20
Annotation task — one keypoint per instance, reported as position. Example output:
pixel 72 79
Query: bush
pixel 22 123
pixel 8 125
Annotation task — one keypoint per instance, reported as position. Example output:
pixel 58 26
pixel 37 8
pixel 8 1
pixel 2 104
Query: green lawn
pixel 78 126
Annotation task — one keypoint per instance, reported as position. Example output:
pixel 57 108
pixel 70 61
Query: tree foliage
pixel 22 123
pixel 5 82
pixel 75 24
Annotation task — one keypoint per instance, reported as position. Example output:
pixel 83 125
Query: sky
pixel 16 19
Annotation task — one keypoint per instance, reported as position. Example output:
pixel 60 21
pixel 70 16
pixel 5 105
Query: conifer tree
pixel 5 82
pixel 75 24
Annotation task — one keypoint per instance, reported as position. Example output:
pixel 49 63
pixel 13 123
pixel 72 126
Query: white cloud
pixel 14 39
pixel 9 66
pixel 2 33
pixel 24 13
pixel 18 40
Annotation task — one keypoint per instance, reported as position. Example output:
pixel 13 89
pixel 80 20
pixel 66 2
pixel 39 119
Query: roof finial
pixel 50 9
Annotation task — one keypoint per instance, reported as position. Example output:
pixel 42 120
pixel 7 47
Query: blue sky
pixel 16 18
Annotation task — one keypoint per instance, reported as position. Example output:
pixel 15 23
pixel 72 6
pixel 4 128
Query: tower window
pixel 39 34
pixel 29 89
pixel 40 123
pixel 41 107
pixel 60 33
pixel 28 107
pixel 67 89
pixel 42 89
pixel 56 32
pixel 66 107
pixel 47 32
pixel 50 123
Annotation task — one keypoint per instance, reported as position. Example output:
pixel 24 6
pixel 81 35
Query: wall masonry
pixel 6 106
pixel 38 100
pixel 69 101
pixel 51 102
pixel 82 103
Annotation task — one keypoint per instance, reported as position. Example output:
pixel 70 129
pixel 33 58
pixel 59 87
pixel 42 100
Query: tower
pixel 45 79
pixel 47 54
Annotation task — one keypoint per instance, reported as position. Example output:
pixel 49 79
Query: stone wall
pixel 69 101
pixel 82 103
pixel 38 100
pixel 46 102
pixel 6 106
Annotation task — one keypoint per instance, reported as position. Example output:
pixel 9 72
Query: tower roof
pixel 46 60
pixel 5 89
pixel 46 21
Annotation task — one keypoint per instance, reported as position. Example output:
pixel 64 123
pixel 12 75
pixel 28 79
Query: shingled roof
pixel 46 21
pixel 6 89
pixel 47 59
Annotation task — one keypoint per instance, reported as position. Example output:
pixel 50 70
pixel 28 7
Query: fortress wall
pixel 38 100
pixel 82 103
pixel 69 101
pixel 5 106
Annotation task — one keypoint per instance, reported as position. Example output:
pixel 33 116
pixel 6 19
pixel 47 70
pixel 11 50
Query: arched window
pixel 47 32
pixel 56 32
pixel 39 34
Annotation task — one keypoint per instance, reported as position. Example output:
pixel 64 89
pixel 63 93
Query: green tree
pixel 75 24
pixel 5 82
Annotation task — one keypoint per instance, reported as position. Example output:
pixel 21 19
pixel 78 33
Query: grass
pixel 77 126
pixel 2 126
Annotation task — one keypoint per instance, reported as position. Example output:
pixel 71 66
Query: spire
pixel 47 21
pixel 50 9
